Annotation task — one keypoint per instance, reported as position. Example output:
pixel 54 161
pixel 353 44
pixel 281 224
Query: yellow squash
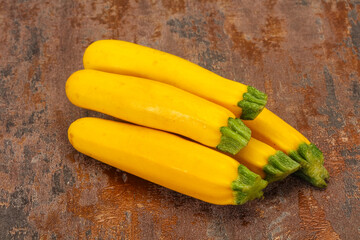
pixel 271 129
pixel 158 105
pixel 168 160
pixel 269 163
pixel 131 59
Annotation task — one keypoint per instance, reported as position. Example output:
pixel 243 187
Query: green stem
pixel 279 167
pixel 247 186
pixel 252 104
pixel 234 137
pixel 312 168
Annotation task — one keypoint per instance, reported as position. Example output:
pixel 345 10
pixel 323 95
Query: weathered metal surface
pixel 304 54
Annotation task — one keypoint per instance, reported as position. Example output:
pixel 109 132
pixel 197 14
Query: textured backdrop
pixel 304 54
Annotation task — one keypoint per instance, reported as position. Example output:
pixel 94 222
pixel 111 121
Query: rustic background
pixel 304 54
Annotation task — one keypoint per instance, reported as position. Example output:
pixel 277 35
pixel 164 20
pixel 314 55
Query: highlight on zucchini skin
pixel 271 129
pixel 127 58
pixel 158 105
pixel 168 160
pixel 271 164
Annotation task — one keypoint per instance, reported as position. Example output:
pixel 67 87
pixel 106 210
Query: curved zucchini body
pixel 271 129
pixel 131 59
pixel 168 160
pixel 271 164
pixel 158 105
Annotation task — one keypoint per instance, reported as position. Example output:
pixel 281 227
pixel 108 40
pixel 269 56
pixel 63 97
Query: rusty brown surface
pixel 304 54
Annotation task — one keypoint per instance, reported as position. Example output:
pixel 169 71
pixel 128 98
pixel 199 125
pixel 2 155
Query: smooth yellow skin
pixel 255 156
pixel 270 129
pixel 160 157
pixel 131 59
pixel 148 103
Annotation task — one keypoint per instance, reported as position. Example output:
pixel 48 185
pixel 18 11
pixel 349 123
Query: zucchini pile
pixel 187 129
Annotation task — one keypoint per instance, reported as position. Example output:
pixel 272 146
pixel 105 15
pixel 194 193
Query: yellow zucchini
pixel 131 59
pixel 168 160
pixel 271 129
pixel 269 163
pixel 158 105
